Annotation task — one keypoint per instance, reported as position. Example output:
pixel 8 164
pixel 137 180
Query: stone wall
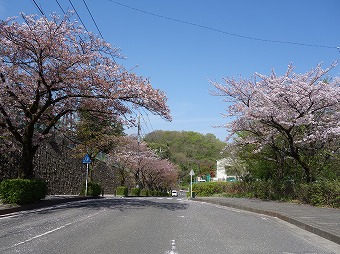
pixel 64 174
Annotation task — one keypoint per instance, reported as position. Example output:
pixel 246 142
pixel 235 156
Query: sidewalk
pixel 324 222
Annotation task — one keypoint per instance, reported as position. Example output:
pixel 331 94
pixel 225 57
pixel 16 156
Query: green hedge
pixel 135 192
pixel 122 191
pixel 324 193
pixel 93 189
pixel 210 188
pixel 144 192
pixel 22 191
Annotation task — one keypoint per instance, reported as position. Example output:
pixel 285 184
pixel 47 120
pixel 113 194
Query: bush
pixel 135 192
pixel 144 192
pixel 93 189
pixel 324 193
pixel 209 188
pixel 153 193
pixel 122 191
pixel 22 191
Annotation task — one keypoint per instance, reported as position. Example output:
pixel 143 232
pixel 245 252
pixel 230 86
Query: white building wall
pixel 221 173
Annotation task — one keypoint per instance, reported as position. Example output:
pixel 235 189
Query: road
pixel 152 225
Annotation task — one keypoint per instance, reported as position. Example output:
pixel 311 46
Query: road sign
pixel 192 173
pixel 86 159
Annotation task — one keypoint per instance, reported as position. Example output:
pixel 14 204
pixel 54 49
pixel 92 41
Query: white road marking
pixel 56 229
pixel 37 236
pixel 173 248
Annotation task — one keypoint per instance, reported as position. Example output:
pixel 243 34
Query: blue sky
pixel 181 44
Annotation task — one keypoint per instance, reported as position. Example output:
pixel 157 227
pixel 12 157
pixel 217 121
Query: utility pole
pixel 138 151
pixel 138 129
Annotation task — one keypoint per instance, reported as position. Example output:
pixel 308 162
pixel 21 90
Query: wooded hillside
pixel 188 149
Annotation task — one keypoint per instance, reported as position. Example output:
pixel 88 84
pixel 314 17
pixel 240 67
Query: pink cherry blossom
pixel 49 67
pixel 303 109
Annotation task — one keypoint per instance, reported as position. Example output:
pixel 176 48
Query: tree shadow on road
pixel 120 204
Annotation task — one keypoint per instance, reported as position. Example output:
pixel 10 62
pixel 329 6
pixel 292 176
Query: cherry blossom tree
pixel 135 160
pixel 159 174
pixel 302 111
pixel 51 67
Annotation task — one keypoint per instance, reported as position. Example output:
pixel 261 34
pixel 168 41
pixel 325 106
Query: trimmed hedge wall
pixel 93 189
pixel 322 193
pixel 135 192
pixel 122 191
pixel 22 191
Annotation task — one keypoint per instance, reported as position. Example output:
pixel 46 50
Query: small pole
pixel 191 174
pixel 190 186
pixel 87 174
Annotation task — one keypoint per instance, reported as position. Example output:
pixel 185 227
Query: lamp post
pixel 192 173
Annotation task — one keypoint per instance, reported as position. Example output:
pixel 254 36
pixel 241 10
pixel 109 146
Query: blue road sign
pixel 86 159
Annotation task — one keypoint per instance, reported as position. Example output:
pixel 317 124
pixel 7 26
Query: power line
pixel 39 9
pixel 221 31
pixel 95 23
pixel 75 10
pixel 60 7
pixel 93 20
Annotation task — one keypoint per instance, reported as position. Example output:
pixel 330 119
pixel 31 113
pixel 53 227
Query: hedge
pixel 135 192
pixel 22 191
pixel 93 189
pixel 322 193
pixel 122 191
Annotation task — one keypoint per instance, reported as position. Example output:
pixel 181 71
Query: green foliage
pixel 135 192
pixel 208 188
pixel 144 192
pixel 323 193
pixel 187 149
pixel 275 163
pixel 155 193
pixel 122 191
pixel 93 189
pixel 22 191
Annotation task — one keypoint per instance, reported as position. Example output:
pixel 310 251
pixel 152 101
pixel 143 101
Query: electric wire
pixel 75 10
pixel 37 6
pixel 143 130
pixel 221 31
pixel 95 23
pixel 60 7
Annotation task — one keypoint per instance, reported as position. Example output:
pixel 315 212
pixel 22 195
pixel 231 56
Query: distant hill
pixel 188 149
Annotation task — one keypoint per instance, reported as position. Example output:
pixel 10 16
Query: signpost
pixel 192 173
pixel 86 160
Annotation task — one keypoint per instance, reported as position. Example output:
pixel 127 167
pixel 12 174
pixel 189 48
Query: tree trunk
pixel 26 161
pixel 294 151
pixel 305 167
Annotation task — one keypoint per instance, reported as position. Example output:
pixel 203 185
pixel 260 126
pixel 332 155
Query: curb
pixel 41 204
pixel 307 227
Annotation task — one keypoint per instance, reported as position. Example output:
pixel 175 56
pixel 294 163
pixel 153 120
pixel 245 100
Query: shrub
pixel 209 188
pixel 324 193
pixel 135 192
pixel 22 191
pixel 153 193
pixel 93 189
pixel 144 192
pixel 122 191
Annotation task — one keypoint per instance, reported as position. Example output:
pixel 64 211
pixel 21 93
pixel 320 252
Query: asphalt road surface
pixel 153 225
